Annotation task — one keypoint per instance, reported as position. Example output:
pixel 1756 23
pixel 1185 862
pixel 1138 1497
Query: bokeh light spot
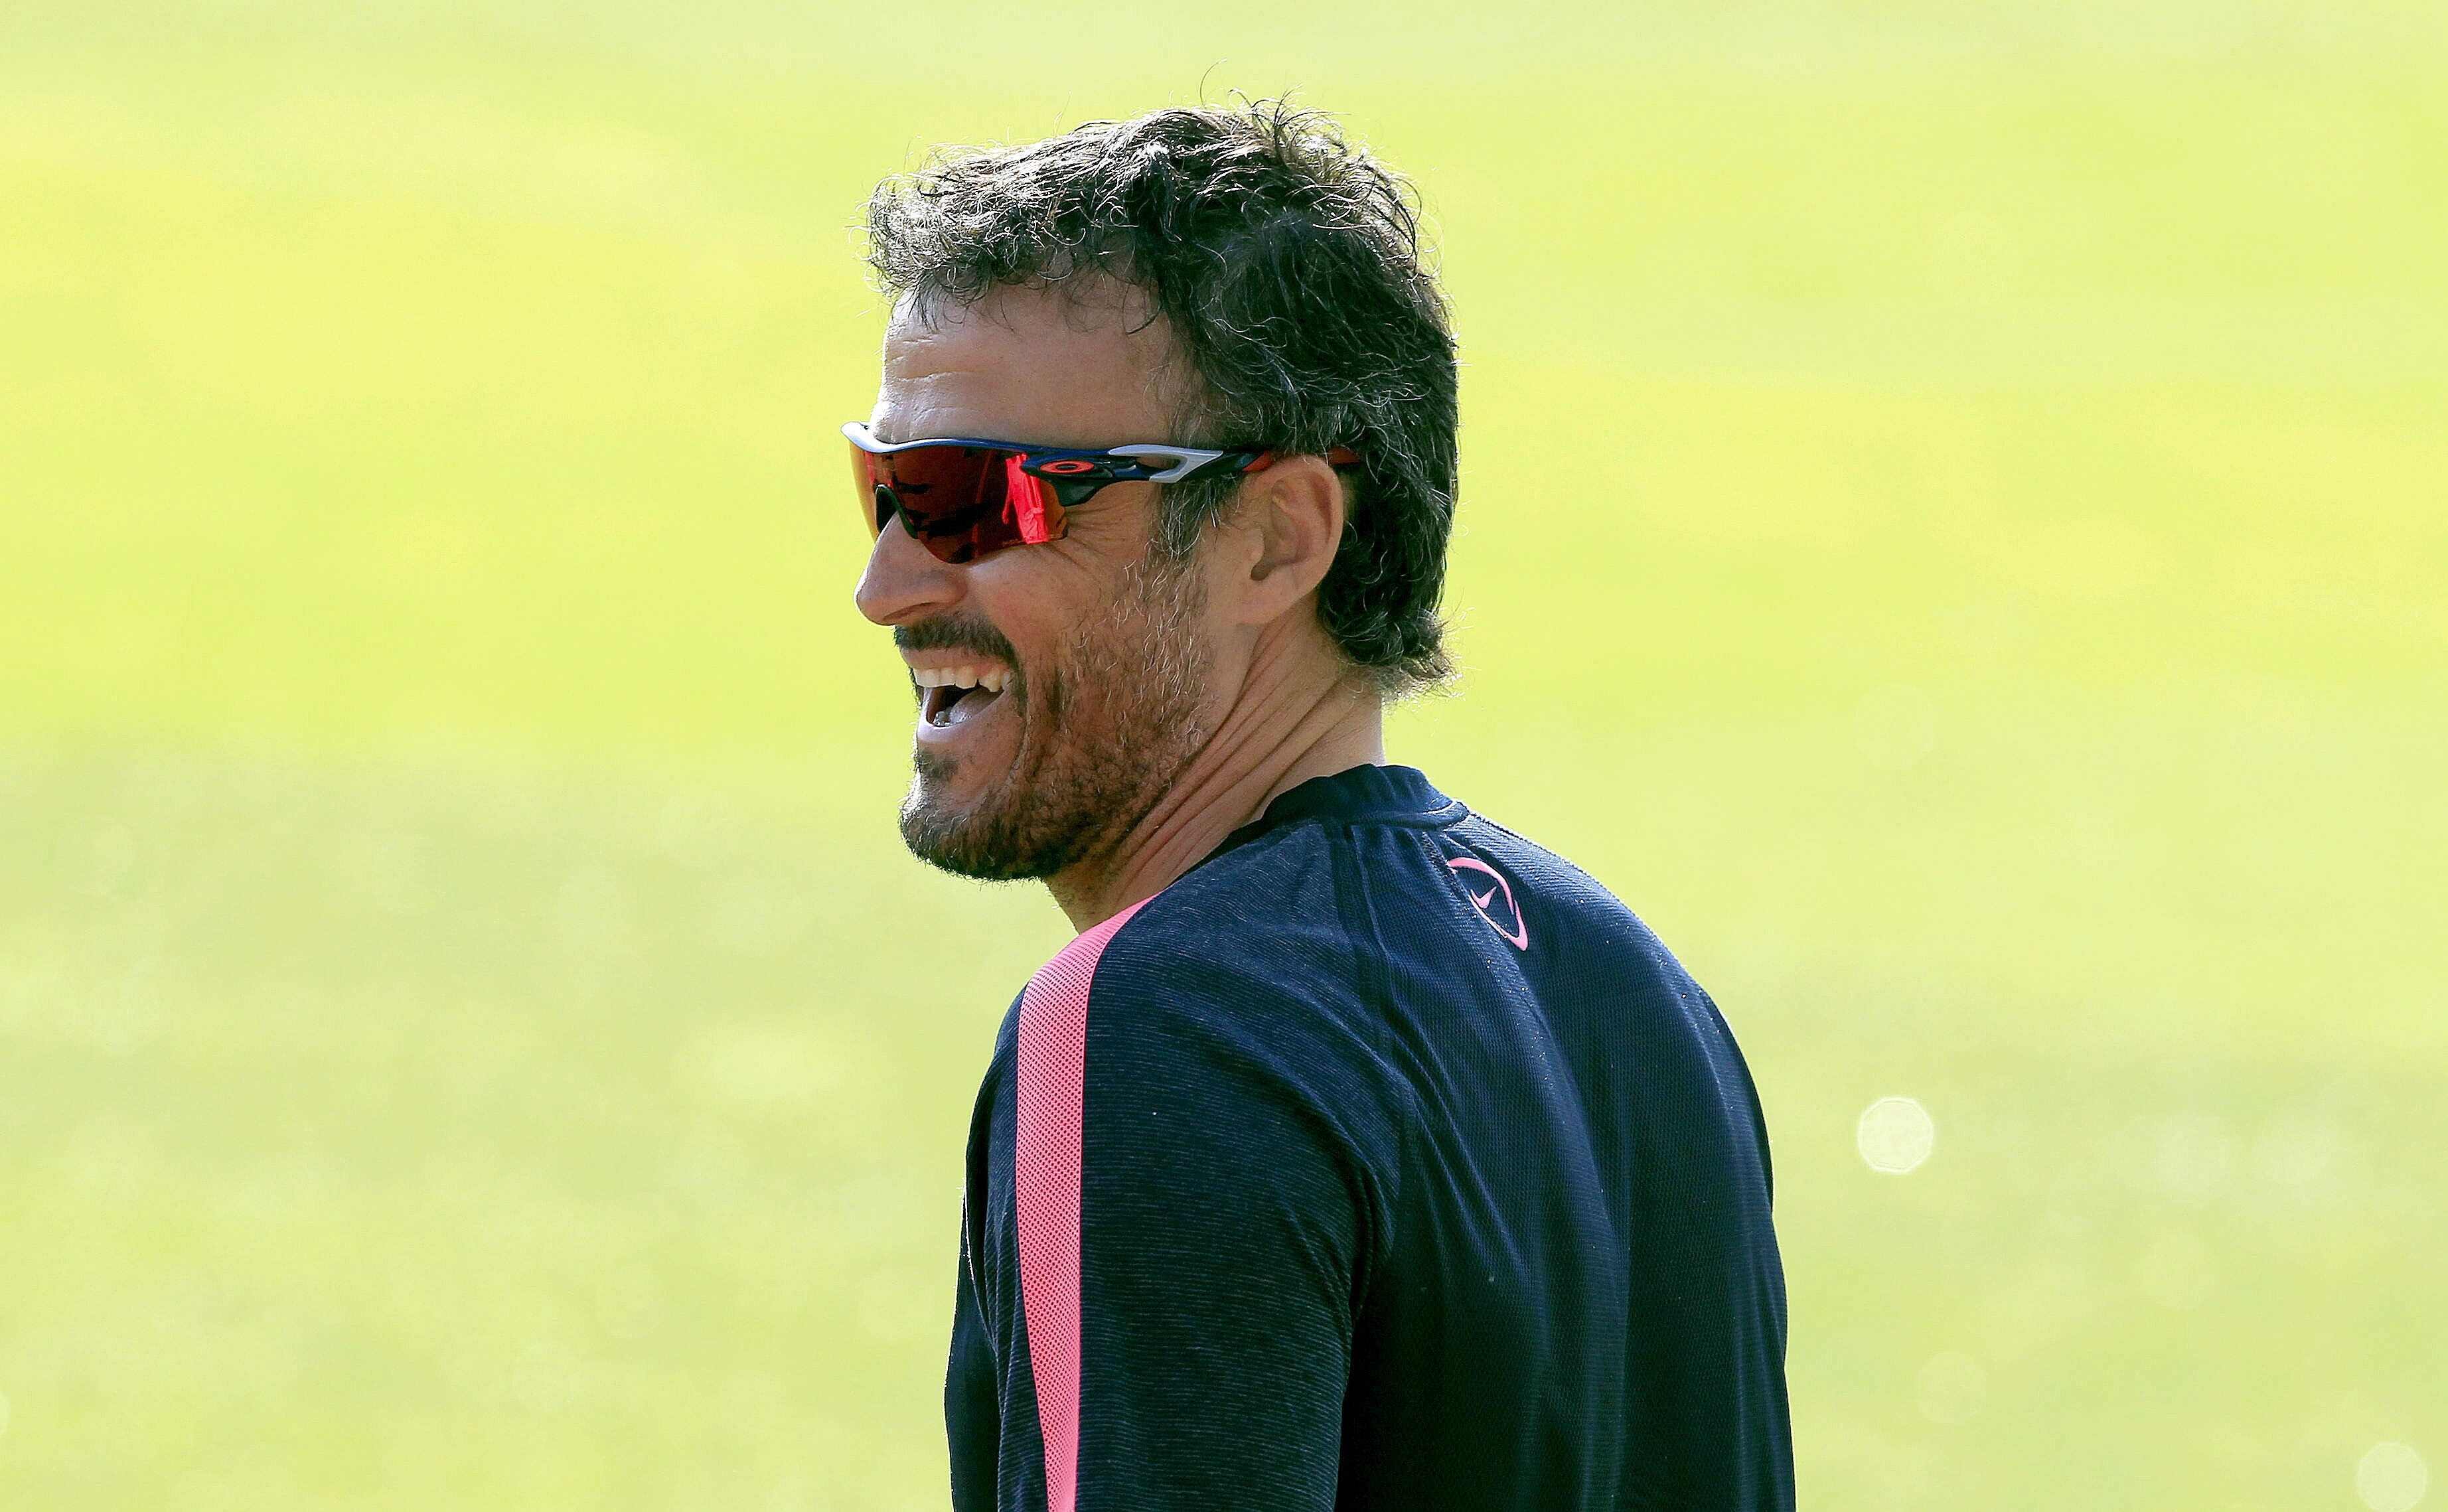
pixel 2391 1477
pixel 1895 1134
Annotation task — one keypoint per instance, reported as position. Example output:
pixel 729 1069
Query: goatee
pixel 1104 732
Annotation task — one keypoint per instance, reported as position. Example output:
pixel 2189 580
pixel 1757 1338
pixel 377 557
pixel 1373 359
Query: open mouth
pixel 954 696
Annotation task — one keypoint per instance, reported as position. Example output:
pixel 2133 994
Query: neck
pixel 1280 733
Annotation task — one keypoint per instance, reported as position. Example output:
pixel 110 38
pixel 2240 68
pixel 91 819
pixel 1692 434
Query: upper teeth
pixel 990 678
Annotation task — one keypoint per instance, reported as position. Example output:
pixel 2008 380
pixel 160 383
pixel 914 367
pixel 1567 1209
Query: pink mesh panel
pixel 1046 1181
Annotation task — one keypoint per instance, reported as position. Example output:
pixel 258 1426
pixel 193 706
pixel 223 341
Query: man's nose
pixel 903 581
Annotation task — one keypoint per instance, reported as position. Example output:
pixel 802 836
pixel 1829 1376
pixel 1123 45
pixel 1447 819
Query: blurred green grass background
pixel 1954 534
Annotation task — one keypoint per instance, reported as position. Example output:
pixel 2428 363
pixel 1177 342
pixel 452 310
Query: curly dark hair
pixel 1286 263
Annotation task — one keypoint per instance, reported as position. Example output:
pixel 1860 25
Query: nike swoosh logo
pixel 1518 936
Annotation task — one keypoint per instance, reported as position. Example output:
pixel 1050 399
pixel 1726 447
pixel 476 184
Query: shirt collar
pixel 1355 793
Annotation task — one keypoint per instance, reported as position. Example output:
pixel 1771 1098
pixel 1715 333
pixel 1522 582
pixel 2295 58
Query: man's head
pixel 1237 279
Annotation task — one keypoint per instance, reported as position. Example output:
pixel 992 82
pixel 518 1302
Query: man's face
pixel 1089 655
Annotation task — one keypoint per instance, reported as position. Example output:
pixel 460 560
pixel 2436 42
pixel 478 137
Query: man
pixel 1358 1153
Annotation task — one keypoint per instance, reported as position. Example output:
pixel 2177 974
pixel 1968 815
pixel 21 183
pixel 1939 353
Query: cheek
pixel 1037 610
pixel 1042 598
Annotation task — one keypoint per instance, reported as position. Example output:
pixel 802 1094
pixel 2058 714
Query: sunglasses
pixel 965 499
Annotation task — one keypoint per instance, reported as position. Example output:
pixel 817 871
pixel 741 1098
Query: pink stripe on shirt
pixel 1053 1065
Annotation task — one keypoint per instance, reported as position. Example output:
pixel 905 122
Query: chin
pixel 968 845
pixel 1012 794
pixel 974 835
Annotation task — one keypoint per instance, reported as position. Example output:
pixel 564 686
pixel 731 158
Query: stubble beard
pixel 1104 734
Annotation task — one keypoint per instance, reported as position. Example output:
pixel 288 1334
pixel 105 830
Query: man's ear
pixel 1294 514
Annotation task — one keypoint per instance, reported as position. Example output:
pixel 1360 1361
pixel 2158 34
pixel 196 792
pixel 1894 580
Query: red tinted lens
pixel 961 502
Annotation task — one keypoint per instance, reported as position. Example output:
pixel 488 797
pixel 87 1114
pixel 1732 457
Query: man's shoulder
pixel 1580 913
pixel 1307 924
pixel 1305 906
pixel 1267 922
pixel 1249 963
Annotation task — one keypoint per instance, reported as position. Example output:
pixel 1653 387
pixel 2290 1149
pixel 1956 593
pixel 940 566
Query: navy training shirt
pixel 1381 1161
